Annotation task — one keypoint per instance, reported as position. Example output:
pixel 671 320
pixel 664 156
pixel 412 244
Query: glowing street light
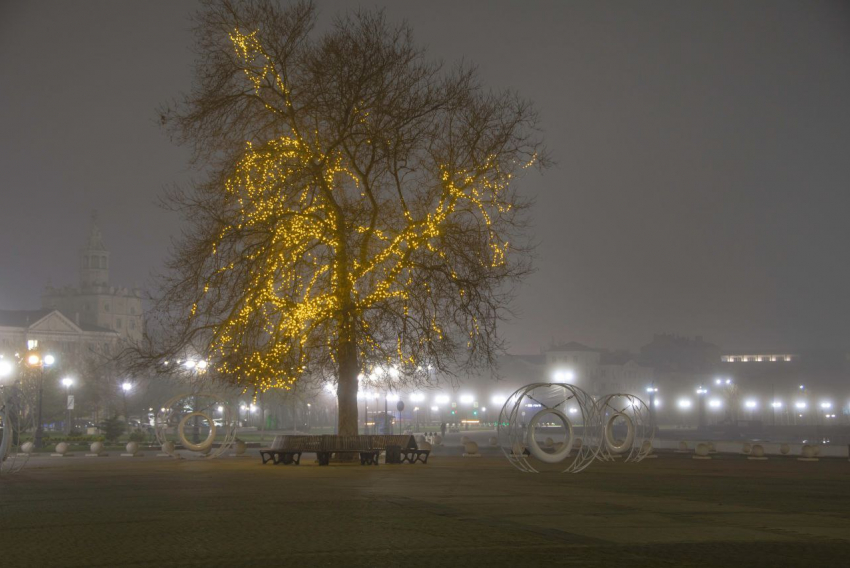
pixel 67 382
pixel 751 404
pixel 564 375
pixel 498 399
pixel 776 404
pixel 684 403
pixel 466 398
pixel 715 403
pixel 826 405
pixel 6 368
pixel 800 405
pixel 126 387
pixel 34 360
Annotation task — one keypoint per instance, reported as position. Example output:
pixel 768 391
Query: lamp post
pixel 701 400
pixel 67 382
pixel 36 361
pixel 652 390
pixel 126 387
pixel 309 407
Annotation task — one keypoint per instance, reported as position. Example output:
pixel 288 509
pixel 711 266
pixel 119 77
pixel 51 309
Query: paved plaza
pixel 455 511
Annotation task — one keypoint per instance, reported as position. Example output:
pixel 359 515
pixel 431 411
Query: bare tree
pixel 357 214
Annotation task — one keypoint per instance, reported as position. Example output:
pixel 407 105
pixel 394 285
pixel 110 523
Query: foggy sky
pixel 703 154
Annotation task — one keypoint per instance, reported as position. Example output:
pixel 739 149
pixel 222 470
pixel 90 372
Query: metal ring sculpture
pixel 567 403
pixel 628 443
pixel 9 463
pixel 184 406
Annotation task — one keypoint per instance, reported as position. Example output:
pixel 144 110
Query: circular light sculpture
pixel 627 427
pixel 11 461
pixel 535 449
pixel 181 433
pixel 173 416
pixel 544 405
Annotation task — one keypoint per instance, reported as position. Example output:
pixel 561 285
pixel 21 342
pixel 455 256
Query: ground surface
pixel 670 511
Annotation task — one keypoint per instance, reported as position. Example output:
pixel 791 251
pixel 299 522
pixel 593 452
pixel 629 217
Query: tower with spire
pixel 94 260
pixel 95 301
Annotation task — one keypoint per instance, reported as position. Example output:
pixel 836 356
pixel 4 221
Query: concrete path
pixel 671 511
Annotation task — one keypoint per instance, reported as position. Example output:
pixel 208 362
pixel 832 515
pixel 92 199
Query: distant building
pixel 63 337
pixel 669 353
pixel 95 302
pixel 597 370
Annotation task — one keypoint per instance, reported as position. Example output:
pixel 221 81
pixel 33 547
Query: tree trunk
pixel 347 377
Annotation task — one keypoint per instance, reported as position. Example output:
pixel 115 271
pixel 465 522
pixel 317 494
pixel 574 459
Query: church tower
pixel 97 303
pixel 94 260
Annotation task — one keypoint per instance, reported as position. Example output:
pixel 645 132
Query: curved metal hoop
pixel 181 433
pixel 538 452
pixel 559 399
pixel 199 403
pixel 9 463
pixel 636 443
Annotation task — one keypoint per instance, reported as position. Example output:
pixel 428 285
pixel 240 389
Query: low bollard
pixel 61 450
pixel 683 448
pixel 471 450
pixel 757 453
pixel 807 454
pixel 701 452
pixel 132 450
pixel 96 450
pixel 784 449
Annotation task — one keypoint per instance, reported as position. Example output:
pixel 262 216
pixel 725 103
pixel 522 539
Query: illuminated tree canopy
pixel 357 210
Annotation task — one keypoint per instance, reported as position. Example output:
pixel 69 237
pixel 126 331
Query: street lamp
pixel 6 368
pixel 67 382
pixel 701 392
pixel 126 387
pixel 34 360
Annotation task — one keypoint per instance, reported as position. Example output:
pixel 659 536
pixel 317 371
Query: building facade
pixel 68 340
pixel 95 302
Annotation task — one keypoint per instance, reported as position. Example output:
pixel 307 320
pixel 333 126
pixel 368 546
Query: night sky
pixel 703 154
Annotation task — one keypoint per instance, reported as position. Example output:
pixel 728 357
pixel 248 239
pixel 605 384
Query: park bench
pixel 288 449
pixel 398 448
pixel 404 444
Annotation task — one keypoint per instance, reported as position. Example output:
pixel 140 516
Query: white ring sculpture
pixel 523 413
pixel 8 462
pixel 181 433
pixel 611 442
pixel 204 405
pixel 635 414
pixel 540 453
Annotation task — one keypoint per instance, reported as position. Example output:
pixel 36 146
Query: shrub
pixel 112 428
pixel 138 436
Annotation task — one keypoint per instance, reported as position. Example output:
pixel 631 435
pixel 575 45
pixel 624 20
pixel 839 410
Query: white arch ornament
pixel 10 462
pixel 626 441
pixel 525 414
pixel 172 417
